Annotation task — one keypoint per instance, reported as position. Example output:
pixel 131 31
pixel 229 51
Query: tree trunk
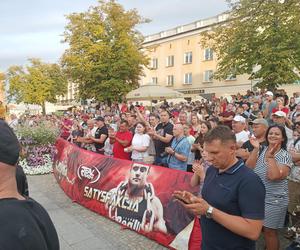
pixel 109 102
pixel 44 108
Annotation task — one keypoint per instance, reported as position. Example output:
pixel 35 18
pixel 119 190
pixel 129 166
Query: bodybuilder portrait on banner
pixel 134 204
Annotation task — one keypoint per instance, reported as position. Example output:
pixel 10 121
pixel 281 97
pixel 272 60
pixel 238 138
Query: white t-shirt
pixel 91 132
pixel 140 140
pixel 108 148
pixel 242 136
pixel 289 135
pixel 191 139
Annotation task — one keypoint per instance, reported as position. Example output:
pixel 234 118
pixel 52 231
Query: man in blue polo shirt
pixel 179 151
pixel 232 203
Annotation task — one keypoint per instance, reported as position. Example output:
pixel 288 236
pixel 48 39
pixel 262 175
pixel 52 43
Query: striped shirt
pixel 276 200
pixel 273 187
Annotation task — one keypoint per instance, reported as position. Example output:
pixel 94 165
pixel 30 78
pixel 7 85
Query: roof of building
pixel 187 28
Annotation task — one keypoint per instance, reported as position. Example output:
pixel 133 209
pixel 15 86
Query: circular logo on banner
pixel 88 172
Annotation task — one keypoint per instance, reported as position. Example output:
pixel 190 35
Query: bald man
pixel 24 223
pixel 179 151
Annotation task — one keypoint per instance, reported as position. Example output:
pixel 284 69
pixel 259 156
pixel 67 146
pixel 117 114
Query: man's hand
pixel 254 142
pixel 169 150
pixel 136 109
pixel 199 207
pixel 128 149
pixel 151 132
pixel 198 169
pixel 243 153
pixel 197 146
pixel 112 136
pixel 184 196
pixel 191 202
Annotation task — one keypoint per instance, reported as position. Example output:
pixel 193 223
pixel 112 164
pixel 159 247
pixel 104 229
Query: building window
pixel 170 80
pixel 170 61
pixel 163 34
pixel 231 77
pixel 199 24
pixel 208 54
pixel 188 58
pixel 188 78
pixel 154 80
pixel 208 76
pixel 179 29
pixel 154 63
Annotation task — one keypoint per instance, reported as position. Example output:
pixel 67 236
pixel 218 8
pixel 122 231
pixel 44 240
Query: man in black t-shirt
pixel 259 128
pixel 162 137
pixel 134 204
pixel 24 223
pixel 101 135
pixel 132 122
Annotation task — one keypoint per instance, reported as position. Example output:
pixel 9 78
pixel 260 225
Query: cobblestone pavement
pixel 77 227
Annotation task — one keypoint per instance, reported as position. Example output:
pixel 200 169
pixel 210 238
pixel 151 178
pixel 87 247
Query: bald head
pixel 90 123
pixel 178 130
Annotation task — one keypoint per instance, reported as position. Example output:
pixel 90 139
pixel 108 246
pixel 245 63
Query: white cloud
pixel 32 28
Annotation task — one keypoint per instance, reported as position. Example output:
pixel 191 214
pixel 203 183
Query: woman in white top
pixel 140 143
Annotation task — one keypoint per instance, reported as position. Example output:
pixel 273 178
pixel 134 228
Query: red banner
pixel 138 196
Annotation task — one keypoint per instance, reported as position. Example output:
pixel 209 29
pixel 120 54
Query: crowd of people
pixel 266 128
pixel 258 132
pixel 172 134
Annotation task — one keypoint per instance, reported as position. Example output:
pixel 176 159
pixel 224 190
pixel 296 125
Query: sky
pixel 34 28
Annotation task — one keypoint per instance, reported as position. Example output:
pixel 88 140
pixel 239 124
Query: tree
pixel 2 79
pixel 104 56
pixel 37 83
pixel 261 38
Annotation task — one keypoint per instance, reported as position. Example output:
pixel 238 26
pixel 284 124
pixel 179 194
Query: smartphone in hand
pixel 182 200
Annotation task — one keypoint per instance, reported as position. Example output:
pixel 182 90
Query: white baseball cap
pixel 269 93
pixel 280 114
pixel 239 118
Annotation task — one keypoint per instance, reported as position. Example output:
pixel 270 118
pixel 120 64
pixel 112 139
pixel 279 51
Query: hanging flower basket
pixel 38 147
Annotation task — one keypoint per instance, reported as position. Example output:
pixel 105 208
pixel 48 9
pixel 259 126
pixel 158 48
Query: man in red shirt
pixel 123 140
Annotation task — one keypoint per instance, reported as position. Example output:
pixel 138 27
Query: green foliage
pixel 261 38
pixel 104 55
pixel 37 83
pixel 2 79
pixel 42 134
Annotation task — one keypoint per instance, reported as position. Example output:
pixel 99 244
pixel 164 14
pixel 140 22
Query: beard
pixel 135 189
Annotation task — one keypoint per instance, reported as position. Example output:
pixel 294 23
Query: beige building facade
pixel 70 97
pixel 178 61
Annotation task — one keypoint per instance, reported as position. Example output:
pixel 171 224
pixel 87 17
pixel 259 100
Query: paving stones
pixel 79 228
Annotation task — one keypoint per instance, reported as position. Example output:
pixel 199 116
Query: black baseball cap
pixel 99 118
pixel 9 145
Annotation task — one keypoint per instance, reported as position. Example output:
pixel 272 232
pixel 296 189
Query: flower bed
pixel 38 147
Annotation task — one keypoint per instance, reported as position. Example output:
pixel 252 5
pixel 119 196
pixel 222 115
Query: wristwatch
pixel 209 212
